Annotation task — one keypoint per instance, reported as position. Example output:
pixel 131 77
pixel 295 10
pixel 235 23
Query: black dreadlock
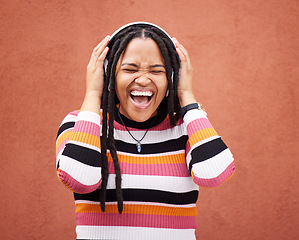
pixel 109 99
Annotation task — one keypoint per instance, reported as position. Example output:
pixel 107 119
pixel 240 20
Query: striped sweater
pixel 160 185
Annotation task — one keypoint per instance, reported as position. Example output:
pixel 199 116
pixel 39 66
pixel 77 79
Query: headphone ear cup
pixel 172 73
pixel 105 71
pixel 105 64
pixel 174 83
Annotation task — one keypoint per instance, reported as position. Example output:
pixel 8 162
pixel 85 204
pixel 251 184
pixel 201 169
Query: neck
pixel 159 117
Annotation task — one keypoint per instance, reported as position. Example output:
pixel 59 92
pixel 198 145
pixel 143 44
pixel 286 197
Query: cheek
pixel 162 86
pixel 123 80
pixel 121 84
pixel 118 88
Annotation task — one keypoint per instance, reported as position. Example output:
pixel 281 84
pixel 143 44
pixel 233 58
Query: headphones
pixel 141 25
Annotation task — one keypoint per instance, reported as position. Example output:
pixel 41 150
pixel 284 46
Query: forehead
pixel 142 50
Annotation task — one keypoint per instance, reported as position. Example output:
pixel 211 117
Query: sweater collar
pixel 161 115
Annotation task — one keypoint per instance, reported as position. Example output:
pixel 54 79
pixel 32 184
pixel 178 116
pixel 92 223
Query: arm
pixel 78 155
pixel 209 160
pixel 78 158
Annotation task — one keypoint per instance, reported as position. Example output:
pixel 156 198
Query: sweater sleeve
pixel 78 154
pixel 209 160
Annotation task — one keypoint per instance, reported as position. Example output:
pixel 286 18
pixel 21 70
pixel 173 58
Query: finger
pixel 183 53
pixel 180 49
pixel 98 50
pixel 103 42
pixel 183 49
pixel 176 42
pixel 102 57
pixel 186 55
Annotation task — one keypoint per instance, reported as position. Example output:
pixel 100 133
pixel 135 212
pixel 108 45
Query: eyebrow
pixel 156 65
pixel 151 66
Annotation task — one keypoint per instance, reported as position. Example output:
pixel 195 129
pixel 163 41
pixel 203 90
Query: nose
pixel 142 80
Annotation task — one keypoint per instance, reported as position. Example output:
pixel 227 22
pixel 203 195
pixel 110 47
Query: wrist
pixel 189 107
pixel 92 102
pixel 93 93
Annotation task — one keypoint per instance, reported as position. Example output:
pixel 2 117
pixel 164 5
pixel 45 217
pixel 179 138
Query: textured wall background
pixel 245 55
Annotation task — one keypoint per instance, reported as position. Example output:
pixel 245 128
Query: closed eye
pixel 156 71
pixel 130 70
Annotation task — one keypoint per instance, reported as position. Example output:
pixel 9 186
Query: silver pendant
pixel 138 145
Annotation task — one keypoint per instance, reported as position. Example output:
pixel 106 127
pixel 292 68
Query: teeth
pixel 141 93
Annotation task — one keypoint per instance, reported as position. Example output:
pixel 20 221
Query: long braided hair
pixel 117 45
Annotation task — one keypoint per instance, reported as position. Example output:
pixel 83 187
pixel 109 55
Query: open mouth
pixel 141 97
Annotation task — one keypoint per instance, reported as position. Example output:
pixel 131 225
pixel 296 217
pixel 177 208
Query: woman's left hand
pixel 185 88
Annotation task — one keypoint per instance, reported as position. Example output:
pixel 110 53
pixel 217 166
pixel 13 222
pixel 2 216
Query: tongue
pixel 140 99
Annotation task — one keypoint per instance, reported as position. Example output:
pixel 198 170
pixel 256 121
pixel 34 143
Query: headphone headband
pixel 140 24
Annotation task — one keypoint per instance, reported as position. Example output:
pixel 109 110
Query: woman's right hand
pixel 95 77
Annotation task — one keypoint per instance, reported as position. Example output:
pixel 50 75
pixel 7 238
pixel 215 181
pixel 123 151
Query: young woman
pixel 140 146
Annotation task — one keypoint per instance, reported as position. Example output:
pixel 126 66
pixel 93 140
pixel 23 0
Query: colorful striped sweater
pixel 160 185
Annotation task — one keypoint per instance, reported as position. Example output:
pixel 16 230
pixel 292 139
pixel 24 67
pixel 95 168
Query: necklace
pixel 138 144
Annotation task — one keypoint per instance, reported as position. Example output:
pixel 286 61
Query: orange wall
pixel 245 56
